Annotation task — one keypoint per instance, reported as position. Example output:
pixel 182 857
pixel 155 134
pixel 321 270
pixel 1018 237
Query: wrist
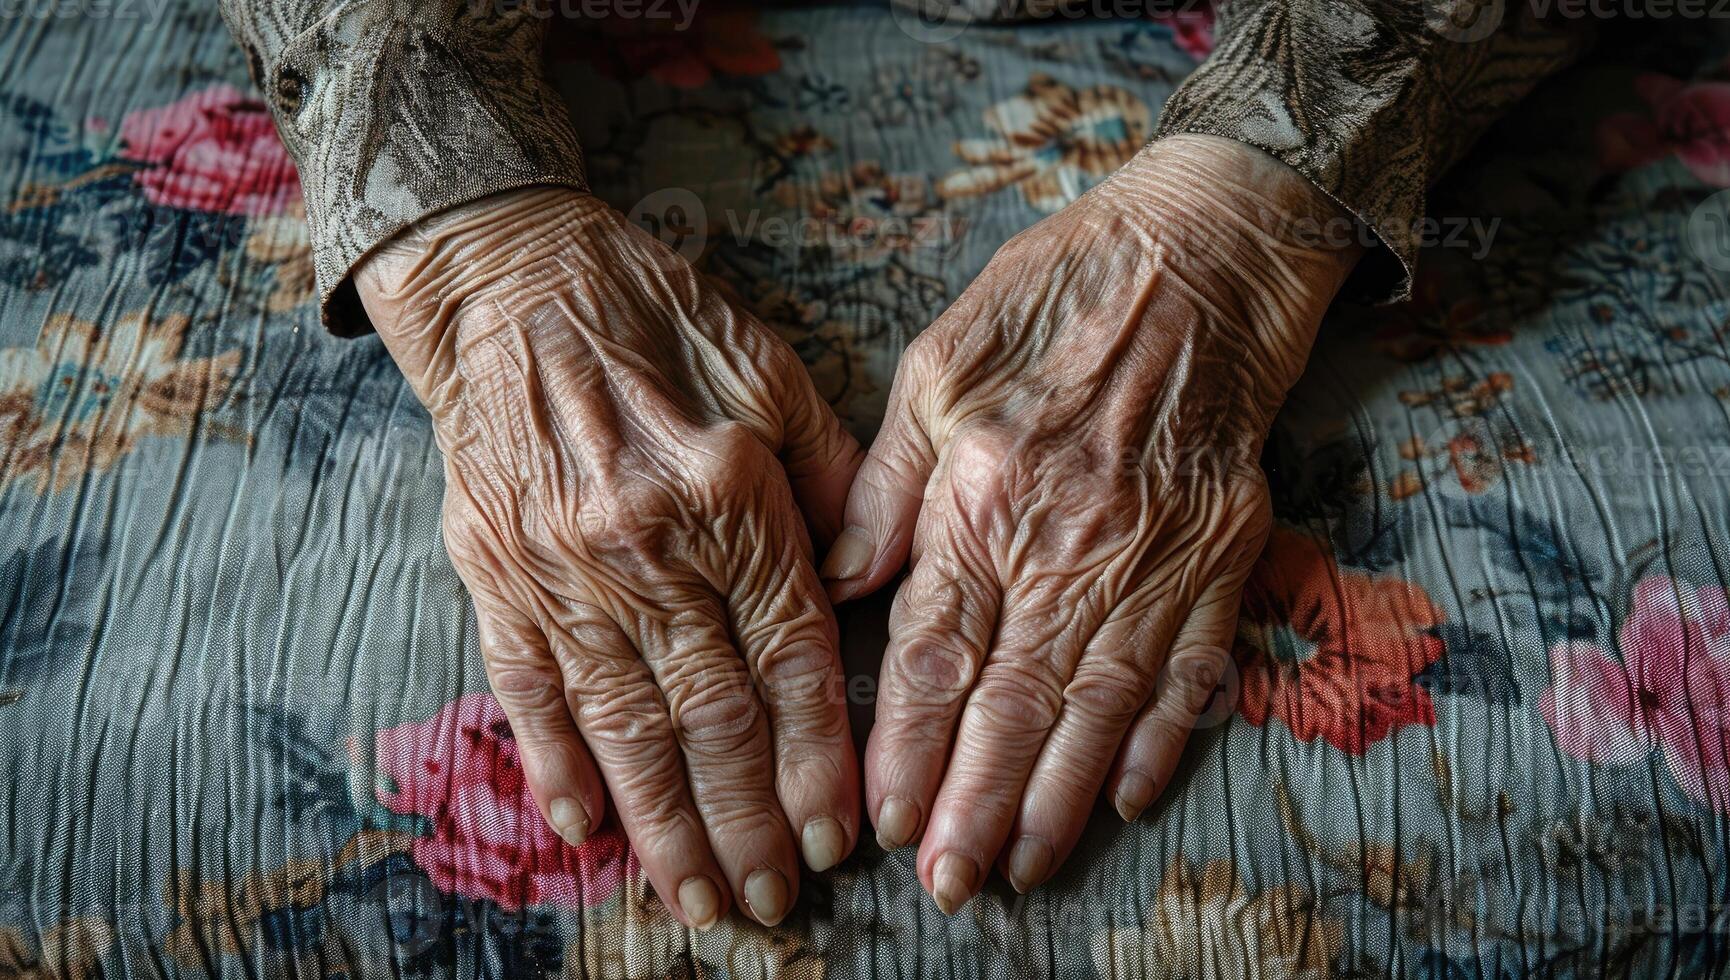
pixel 416 286
pixel 1256 237
pixel 1242 195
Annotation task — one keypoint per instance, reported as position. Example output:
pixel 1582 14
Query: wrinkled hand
pixel 1070 459
pixel 624 453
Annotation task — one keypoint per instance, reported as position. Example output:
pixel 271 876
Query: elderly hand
pixel 624 453
pixel 1070 459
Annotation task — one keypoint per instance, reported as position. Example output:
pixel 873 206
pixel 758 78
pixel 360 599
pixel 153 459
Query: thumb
pixel 818 455
pixel 882 506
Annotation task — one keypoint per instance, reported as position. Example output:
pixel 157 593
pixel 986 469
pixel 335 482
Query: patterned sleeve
pixel 396 109
pixel 1371 99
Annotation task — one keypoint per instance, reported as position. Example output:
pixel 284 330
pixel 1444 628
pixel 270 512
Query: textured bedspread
pixel 1477 725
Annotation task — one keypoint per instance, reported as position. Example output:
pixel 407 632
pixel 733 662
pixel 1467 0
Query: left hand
pixel 1070 458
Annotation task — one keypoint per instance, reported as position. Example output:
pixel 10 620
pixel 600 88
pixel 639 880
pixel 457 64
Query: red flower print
pixel 1691 122
pixel 1191 27
pixel 460 769
pixel 1333 654
pixel 724 43
pixel 214 150
pixel 1670 692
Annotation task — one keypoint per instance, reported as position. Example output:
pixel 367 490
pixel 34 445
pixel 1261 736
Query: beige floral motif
pixel 866 215
pixel 282 241
pixel 647 943
pixel 71 950
pixel 224 917
pixel 81 400
pixel 1206 924
pixel 772 954
pixel 1476 457
pixel 1054 142
pixel 1461 397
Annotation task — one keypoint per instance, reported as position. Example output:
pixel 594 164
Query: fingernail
pixel 952 881
pixel 700 901
pixel 848 556
pixel 1029 862
pixel 1134 793
pixel 570 820
pixel 766 896
pixel 823 843
pixel 897 822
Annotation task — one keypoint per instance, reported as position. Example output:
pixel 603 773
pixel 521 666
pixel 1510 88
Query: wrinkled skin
pixel 1070 462
pixel 634 472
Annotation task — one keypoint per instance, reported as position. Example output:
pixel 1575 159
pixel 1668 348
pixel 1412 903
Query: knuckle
pixel 776 614
pixel 1110 690
pixel 979 458
pixel 731 453
pixel 798 671
pixel 630 715
pixel 925 352
pixel 810 774
pixel 589 675
pixel 931 669
pixel 1030 238
pixel 631 526
pixel 524 683
pixel 722 718
pixel 1018 697
pixel 813 727
pixel 656 803
pixel 745 819
pixel 1061 796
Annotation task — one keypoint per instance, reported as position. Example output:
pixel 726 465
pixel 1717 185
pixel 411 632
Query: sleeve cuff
pixel 395 113
pixel 1369 172
pixel 1370 100
pixel 1382 276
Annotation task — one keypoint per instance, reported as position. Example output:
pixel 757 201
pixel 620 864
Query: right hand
pixel 627 456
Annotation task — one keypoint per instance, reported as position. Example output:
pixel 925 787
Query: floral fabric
pixel 1476 725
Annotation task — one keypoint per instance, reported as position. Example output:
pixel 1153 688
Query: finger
pixel 728 756
pixel 1112 683
pixel 1006 721
pixel 884 501
pixel 526 679
pixel 939 630
pixel 787 633
pixel 819 456
pixel 1183 688
pixel 625 722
